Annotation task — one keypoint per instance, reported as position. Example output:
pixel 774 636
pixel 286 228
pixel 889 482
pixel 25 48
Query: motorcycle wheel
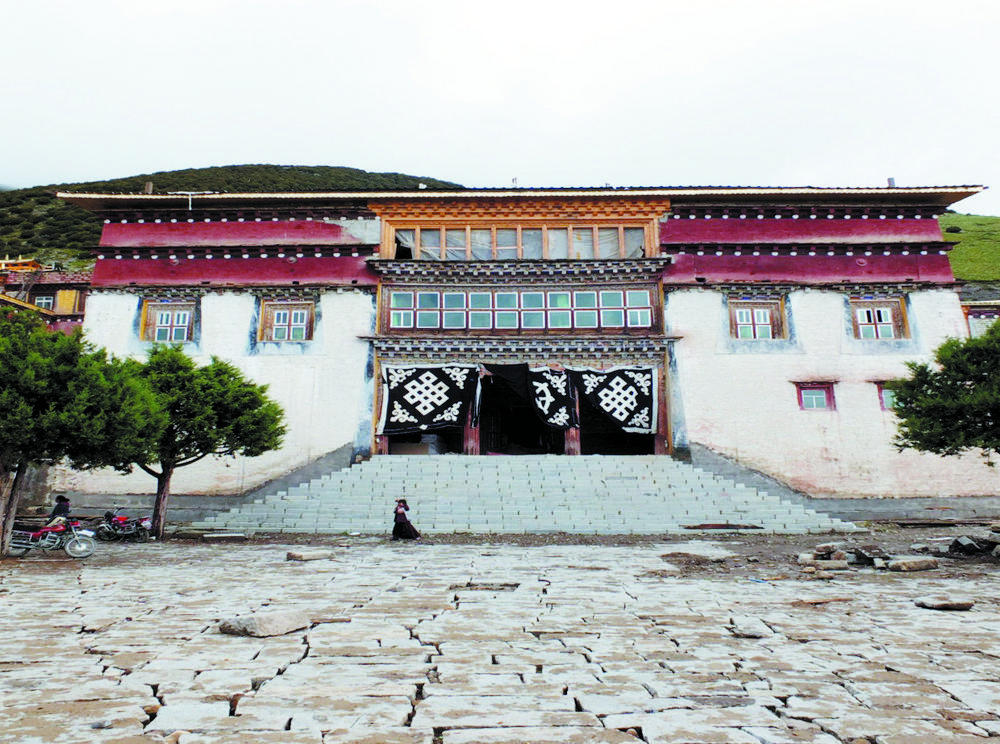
pixel 18 552
pixel 106 533
pixel 80 546
pixel 141 534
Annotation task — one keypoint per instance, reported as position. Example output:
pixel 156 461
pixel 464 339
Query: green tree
pixel 211 410
pixel 61 398
pixel 953 405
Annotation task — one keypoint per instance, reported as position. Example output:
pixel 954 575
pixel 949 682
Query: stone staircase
pixel 547 493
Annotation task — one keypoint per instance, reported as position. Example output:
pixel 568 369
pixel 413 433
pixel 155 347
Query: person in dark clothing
pixel 402 527
pixel 61 509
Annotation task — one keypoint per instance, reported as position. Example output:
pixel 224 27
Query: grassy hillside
pixel 976 258
pixel 34 223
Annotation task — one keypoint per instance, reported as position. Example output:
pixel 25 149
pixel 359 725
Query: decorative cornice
pixel 841 248
pixel 308 293
pixel 508 349
pixel 287 253
pixel 760 288
pixel 492 272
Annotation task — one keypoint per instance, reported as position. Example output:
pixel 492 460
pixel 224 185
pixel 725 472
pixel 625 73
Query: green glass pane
pixel 506 320
pixel 401 299
pixel 507 300
pixel 480 300
pixel 533 319
pixel 532 300
pixel 560 319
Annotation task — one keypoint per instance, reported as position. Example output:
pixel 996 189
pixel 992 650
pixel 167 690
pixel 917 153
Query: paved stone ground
pixel 489 643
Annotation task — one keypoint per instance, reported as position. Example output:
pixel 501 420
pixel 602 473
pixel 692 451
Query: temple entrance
pixel 508 424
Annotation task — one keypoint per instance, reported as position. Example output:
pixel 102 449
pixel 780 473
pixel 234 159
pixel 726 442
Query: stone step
pixel 589 494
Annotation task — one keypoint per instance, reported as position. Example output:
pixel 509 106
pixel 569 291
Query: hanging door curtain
pixel 553 397
pixel 549 391
pixel 425 398
pixel 627 395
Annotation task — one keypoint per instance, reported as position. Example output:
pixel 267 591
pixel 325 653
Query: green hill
pixel 976 258
pixel 33 223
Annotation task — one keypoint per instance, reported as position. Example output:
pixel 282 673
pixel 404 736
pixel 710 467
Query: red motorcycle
pixel 119 527
pixel 65 535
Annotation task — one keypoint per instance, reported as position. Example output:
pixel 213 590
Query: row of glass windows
pixel 818 396
pixel 871 318
pixel 173 322
pixel 470 243
pixel 486 310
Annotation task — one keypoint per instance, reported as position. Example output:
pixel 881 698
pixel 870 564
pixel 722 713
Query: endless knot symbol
pixel 618 398
pixel 426 393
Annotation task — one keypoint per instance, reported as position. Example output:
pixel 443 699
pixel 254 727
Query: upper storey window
pixel 878 318
pixel 521 242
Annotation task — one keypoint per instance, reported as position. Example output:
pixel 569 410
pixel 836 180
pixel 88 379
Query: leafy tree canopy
pixel 953 405
pixel 61 398
pixel 211 411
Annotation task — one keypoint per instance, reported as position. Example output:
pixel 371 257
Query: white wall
pixel 739 398
pixel 322 385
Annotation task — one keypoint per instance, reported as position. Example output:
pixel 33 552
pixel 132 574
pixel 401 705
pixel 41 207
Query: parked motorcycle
pixel 64 535
pixel 119 527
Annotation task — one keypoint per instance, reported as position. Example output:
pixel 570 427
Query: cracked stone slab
pixel 537 735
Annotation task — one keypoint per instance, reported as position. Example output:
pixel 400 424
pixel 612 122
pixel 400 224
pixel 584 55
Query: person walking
pixel 402 527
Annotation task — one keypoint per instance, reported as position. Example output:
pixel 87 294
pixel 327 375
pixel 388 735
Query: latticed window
pixel 815 396
pixel 287 321
pixel 878 318
pixel 168 322
pixel 521 242
pixel 526 310
pixel 756 319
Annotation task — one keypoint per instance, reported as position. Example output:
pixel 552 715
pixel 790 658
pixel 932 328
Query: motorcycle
pixel 64 534
pixel 119 527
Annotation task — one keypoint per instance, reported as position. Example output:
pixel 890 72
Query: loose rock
pixel 264 624
pixel 308 555
pixel 913 563
pixel 943 602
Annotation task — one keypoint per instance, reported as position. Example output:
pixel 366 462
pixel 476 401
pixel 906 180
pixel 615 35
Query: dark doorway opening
pixel 599 435
pixel 437 442
pixel 508 424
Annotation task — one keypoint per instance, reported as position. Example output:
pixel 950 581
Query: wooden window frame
pixel 501 251
pixel 412 309
pixel 46 302
pixel 805 391
pixel 874 327
pixel 775 324
pixel 272 321
pixel 153 317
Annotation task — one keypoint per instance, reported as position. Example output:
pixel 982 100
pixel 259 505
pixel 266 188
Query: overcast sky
pixel 547 92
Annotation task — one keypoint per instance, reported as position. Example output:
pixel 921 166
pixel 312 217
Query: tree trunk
pixel 160 504
pixel 10 495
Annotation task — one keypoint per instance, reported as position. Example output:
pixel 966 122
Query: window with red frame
pixel 816 396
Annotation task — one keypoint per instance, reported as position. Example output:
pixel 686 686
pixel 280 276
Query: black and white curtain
pixel 553 397
pixel 627 395
pixel 424 398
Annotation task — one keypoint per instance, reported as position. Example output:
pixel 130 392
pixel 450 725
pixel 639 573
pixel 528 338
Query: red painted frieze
pixel 202 234
pixel 736 230
pixel 804 269
pixel 233 272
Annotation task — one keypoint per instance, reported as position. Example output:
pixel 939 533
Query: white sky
pixel 548 92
